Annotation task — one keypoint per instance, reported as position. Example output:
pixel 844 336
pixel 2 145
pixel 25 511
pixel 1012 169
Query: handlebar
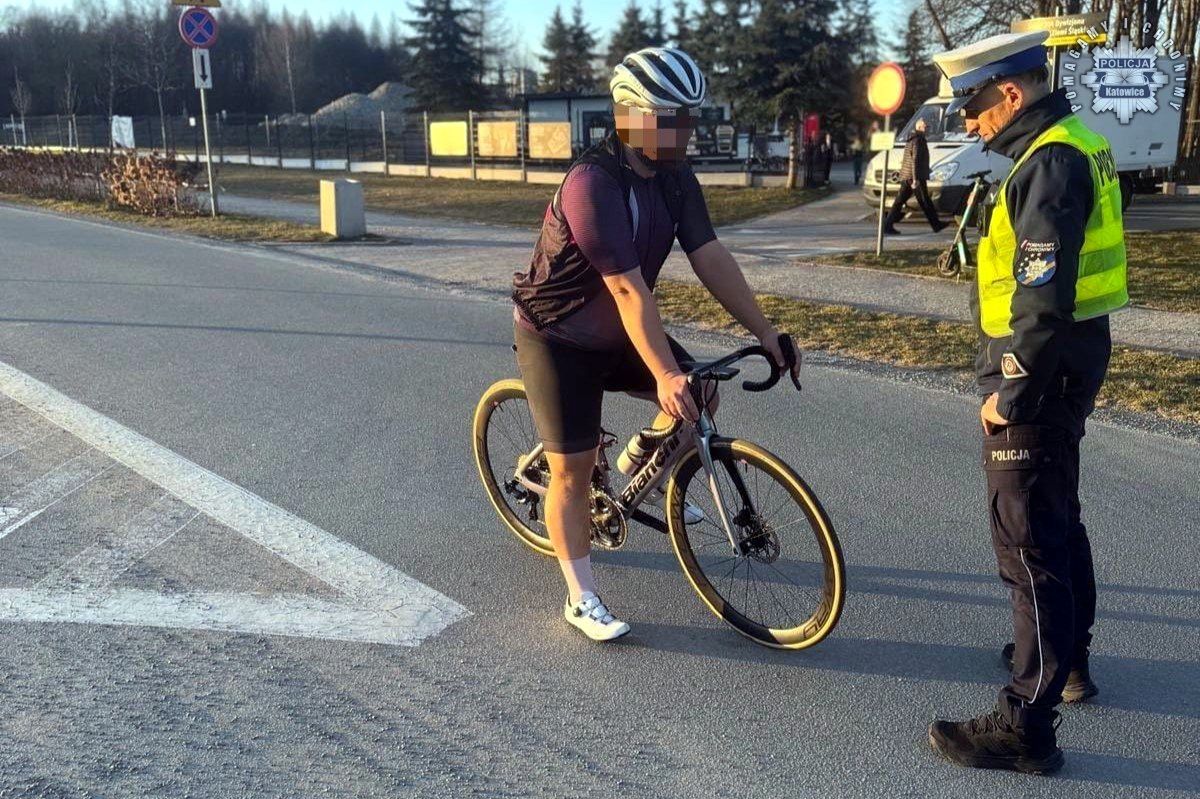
pixel 720 367
pixel 976 175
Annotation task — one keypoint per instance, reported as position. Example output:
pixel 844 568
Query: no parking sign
pixel 198 27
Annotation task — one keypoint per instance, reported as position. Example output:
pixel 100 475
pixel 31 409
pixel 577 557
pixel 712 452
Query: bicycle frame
pixel 673 447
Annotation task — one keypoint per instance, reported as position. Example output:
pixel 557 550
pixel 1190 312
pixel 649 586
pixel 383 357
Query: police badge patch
pixel 1011 368
pixel 1036 262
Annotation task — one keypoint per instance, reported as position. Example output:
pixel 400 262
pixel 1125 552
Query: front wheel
pixel 787 585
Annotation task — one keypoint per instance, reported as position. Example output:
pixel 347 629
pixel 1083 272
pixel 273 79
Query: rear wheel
pixel 787 586
pixel 504 435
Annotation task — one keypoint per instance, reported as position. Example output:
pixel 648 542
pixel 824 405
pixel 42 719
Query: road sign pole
pixel 212 186
pixel 887 126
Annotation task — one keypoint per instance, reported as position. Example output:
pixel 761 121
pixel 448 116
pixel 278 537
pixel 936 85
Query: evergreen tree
pixel 631 34
pixel 919 73
pixel 556 63
pixel 658 26
pixel 583 50
pixel 682 35
pixel 445 68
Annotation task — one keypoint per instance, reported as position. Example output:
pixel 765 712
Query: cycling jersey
pixel 605 220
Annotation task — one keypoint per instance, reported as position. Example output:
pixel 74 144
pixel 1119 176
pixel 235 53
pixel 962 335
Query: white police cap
pixel 969 69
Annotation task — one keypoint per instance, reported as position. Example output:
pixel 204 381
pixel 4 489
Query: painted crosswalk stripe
pixel 378 602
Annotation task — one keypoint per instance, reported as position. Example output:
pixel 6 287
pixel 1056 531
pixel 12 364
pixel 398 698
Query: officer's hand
pixel 675 396
pixel 991 418
pixel 770 342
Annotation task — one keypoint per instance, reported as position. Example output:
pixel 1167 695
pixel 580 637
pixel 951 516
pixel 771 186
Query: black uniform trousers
pixel 1043 552
pixel 907 189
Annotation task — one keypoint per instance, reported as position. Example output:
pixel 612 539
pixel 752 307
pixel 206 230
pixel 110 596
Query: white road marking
pixel 102 562
pixel 27 503
pixel 382 603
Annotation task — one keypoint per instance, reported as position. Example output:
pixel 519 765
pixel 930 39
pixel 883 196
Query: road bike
pixel 763 556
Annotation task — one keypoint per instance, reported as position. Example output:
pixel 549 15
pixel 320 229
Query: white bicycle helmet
pixel 658 77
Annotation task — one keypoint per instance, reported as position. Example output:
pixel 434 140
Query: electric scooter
pixel 957 258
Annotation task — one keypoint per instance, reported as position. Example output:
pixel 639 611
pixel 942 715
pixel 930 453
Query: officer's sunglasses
pixel 984 99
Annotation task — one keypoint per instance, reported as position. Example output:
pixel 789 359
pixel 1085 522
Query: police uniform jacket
pixel 1059 363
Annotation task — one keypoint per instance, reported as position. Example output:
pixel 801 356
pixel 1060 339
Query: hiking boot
pixel 1079 687
pixel 890 230
pixel 991 741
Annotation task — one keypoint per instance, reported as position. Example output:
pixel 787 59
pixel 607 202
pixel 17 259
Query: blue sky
pixel 528 18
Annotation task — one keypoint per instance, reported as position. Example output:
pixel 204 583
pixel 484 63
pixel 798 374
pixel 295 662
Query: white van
pixel 953 155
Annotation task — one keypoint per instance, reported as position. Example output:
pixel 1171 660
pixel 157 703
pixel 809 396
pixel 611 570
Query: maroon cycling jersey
pixel 597 227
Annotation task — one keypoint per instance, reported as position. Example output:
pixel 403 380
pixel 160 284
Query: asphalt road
pixel 345 399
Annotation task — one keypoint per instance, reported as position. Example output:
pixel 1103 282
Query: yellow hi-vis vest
pixel 1100 287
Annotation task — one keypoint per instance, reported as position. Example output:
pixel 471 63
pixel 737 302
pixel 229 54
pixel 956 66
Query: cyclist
pixel 585 319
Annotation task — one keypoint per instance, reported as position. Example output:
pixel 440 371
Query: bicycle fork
pixel 706 430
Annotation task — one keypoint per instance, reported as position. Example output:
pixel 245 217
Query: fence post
pixel 220 138
pixel 383 139
pixel 522 138
pixel 279 141
pixel 267 128
pixel 425 123
pixel 312 142
pixel 346 133
pixel 471 141
pixel 12 119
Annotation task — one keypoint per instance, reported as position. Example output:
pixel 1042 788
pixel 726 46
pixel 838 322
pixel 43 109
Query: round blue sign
pixel 198 27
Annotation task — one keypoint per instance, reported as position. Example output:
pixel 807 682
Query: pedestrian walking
pixel 914 172
pixel 858 162
pixel 1051 268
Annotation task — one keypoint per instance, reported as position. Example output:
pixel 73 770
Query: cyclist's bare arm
pixel 720 274
pixel 640 318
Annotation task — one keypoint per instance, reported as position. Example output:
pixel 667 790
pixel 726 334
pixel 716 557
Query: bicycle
pixel 780 591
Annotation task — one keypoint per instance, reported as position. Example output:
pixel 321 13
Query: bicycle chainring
pixel 609 527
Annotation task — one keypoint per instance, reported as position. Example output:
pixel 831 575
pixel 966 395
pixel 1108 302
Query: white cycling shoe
pixel 593 619
pixel 691 513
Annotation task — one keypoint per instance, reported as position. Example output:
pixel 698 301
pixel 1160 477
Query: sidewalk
pixel 779 254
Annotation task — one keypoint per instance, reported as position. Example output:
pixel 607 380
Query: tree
pixel 631 34
pixel 919 72
pixel 657 32
pixel 583 48
pixel 789 65
pixel 445 69
pixel 22 101
pixel 682 35
pixel 556 63
pixel 154 66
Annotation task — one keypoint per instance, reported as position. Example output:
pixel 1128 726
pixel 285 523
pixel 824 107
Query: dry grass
pixel 1138 380
pixel 1164 268
pixel 227 227
pixel 497 202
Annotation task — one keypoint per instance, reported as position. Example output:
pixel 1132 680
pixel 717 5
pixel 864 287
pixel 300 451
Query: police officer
pixel 1051 267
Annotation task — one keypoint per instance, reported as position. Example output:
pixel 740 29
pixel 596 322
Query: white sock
pixel 578 574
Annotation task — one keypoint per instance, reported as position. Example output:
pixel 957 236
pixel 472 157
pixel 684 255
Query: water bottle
pixel 635 454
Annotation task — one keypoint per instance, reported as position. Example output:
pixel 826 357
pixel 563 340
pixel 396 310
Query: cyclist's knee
pixel 571 472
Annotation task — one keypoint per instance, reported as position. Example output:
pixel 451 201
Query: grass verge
pixel 1139 380
pixel 1164 272
pixel 227 227
pixel 496 202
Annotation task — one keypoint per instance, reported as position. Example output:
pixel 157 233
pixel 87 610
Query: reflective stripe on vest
pixel 1100 287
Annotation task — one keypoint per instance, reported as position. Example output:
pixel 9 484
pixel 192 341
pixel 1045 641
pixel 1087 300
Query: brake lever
pixel 792 357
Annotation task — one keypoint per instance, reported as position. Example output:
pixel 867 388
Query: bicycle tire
pixel 824 617
pixel 498 393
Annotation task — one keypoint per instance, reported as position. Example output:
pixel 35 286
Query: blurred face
pixel 661 137
pixel 920 125
pixel 998 104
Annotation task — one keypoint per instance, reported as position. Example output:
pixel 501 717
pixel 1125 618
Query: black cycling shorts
pixel 566 386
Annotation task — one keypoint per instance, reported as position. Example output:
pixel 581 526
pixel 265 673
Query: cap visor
pixel 958 103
